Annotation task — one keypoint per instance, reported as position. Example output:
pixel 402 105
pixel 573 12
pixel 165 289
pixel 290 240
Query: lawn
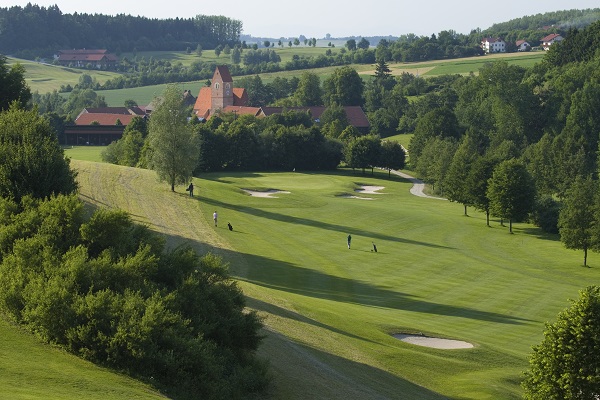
pixel 329 312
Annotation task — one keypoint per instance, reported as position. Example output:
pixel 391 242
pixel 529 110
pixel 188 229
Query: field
pixel 45 78
pixel 329 312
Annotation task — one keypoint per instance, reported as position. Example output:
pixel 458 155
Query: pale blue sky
pixel 316 18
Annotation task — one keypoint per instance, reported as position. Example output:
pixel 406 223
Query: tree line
pixel 49 30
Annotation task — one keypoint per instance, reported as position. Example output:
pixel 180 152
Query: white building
pixel 493 45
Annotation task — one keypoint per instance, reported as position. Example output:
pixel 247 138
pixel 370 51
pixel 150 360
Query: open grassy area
pixel 329 312
pixel 85 153
pixel 46 77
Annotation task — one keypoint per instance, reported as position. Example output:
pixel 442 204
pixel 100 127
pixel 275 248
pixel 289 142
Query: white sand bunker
pixel 265 193
pixel 349 196
pixel 436 343
pixel 369 189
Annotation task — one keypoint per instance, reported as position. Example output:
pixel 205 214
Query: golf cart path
pixel 417 187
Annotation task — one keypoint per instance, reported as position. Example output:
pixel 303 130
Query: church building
pixel 221 96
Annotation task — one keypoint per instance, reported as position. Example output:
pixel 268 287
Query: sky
pixel 339 18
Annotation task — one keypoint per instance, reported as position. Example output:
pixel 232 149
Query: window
pixel 217 85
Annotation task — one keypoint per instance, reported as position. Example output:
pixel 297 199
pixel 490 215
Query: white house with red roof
pixel 493 45
pixel 550 40
pixel 523 45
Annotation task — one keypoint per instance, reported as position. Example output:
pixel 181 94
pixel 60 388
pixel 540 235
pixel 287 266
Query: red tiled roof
pixel 241 110
pixel 550 37
pixel 103 118
pixel 203 102
pixel 85 55
pixel 240 97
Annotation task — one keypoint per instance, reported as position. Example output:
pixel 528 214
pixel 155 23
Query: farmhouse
pixel 101 126
pixel 493 45
pixel 99 59
pixel 550 40
pixel 221 96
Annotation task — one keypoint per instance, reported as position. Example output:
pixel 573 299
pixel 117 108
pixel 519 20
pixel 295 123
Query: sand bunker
pixel 266 193
pixel 349 196
pixel 436 343
pixel 369 189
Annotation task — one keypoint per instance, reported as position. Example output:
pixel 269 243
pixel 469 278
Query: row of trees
pixel 291 140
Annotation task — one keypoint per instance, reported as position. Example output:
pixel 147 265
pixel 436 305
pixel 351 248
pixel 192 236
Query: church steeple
pixel 222 88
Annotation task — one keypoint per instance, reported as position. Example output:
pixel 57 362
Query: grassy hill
pixel 329 312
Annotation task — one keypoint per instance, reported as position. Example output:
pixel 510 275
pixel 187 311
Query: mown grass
pixel 329 311
pixel 86 153
pixel 31 370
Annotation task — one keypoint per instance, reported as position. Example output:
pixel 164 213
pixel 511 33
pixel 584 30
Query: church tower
pixel 221 89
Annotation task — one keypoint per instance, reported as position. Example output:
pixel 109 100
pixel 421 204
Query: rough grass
pixel 329 311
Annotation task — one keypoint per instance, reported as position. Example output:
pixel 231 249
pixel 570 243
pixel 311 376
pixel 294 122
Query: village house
pixel 99 59
pixel 550 40
pixel 523 45
pixel 493 45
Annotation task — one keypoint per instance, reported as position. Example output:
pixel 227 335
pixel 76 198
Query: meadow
pixel 330 312
pixel 45 78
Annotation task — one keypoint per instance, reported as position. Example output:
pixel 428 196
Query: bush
pixel 114 296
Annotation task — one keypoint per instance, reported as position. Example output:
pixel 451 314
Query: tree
pixel 456 185
pixel 309 92
pixel 344 87
pixel 31 160
pixel 391 156
pixel 199 50
pixel 351 44
pixel 565 364
pixel 267 43
pixel 236 55
pixel 576 219
pixel 363 44
pixel 218 50
pixel 362 152
pixel 174 146
pixel 296 42
pixel 12 85
pixel 479 176
pixel 511 191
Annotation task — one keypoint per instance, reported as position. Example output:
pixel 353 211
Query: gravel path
pixel 417 187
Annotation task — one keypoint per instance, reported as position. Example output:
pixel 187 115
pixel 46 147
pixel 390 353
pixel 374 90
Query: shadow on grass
pixel 288 314
pixel 311 222
pixel 309 373
pixel 278 275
